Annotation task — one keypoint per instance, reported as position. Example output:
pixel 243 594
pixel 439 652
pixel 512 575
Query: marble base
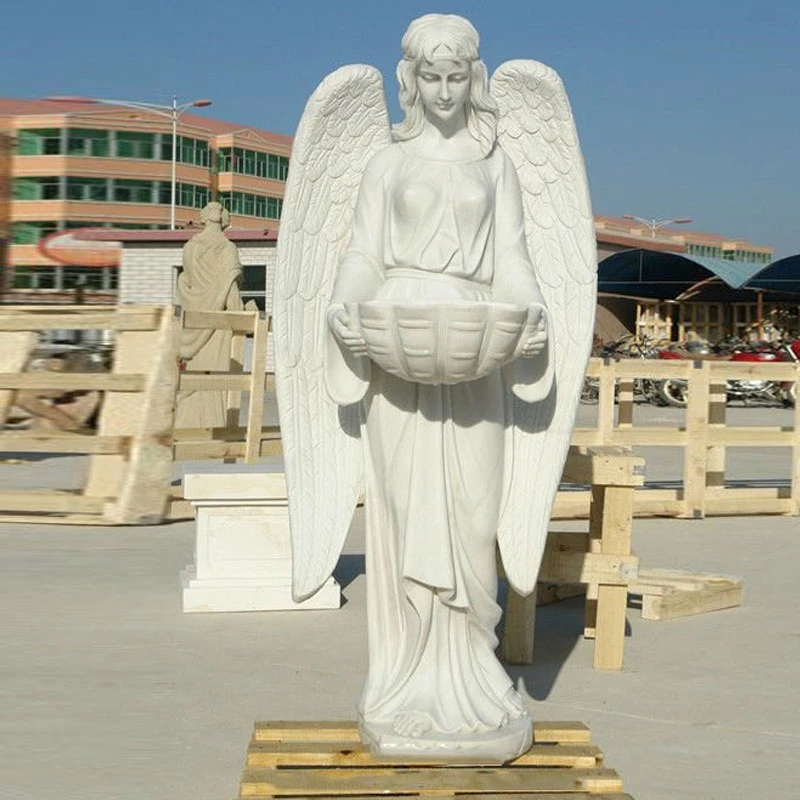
pixel 243 557
pixel 250 594
pixel 489 747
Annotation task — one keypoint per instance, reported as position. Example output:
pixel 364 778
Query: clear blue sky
pixel 684 108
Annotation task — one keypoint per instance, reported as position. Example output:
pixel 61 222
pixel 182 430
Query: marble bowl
pixel 441 343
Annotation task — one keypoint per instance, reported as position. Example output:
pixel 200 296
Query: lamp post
pixel 172 111
pixel 656 224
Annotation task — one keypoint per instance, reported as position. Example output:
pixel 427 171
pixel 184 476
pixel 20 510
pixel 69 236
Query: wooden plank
pixel 652 368
pixel 144 488
pixel 55 518
pixel 712 596
pixel 696 448
pixel 734 504
pixel 188 451
pixel 255 411
pixel 140 480
pixel 750 370
pixel 520 626
pixel 556 592
pixel 212 381
pixel 424 780
pixel 57 442
pixel 308 731
pixel 613 465
pixel 73 381
pixel 605 403
pixel 661 581
pixel 571 505
pixel 48 501
pixel 337 754
pixel 552 731
pixel 766 436
pixel 239 321
pixel 198 451
pixel 572 567
pixel 233 402
pixel 717 413
pixel 557 731
pixel 78 319
pixel 625 403
pixel 615 541
pixel 15 349
pixel 654 436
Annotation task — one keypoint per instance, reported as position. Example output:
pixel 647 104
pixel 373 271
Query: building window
pixel 36 188
pixel 87 189
pixel 251 162
pixel 278 167
pixel 189 195
pixel 86 142
pixel 252 205
pixel 254 284
pixel 130 191
pixel 31 232
pixel 39 142
pixel 190 151
pixel 133 144
pixel 225 159
pixel 87 277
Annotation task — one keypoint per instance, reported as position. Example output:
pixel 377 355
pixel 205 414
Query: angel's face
pixel 444 87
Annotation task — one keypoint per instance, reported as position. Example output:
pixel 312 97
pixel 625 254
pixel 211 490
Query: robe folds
pixel 436 457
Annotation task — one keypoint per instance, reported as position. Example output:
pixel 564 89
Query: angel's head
pixel 441 70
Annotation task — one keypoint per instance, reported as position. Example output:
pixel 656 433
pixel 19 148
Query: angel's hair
pixel 437 36
pixel 215 212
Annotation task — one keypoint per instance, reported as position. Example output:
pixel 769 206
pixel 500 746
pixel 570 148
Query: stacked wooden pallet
pixel 326 759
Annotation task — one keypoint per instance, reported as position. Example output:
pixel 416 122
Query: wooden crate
pixel 327 759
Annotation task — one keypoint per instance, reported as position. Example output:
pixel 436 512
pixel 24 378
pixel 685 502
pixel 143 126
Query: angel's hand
pixel 339 323
pixel 535 337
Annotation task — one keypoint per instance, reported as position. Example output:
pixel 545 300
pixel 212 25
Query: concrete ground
pixel 108 691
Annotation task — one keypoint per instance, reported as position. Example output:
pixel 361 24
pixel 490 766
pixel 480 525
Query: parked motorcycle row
pixel 673 391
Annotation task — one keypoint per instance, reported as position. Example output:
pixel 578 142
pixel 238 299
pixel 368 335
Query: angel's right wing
pixel 344 123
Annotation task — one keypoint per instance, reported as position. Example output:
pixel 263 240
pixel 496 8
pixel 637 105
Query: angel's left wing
pixel 537 132
pixel 345 122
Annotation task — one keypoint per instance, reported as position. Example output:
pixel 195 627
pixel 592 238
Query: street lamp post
pixel 656 224
pixel 172 111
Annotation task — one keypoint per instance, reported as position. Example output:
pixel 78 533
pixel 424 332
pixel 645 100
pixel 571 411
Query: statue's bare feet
pixel 412 723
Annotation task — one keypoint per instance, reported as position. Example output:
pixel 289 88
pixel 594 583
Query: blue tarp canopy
pixel 779 276
pixel 671 276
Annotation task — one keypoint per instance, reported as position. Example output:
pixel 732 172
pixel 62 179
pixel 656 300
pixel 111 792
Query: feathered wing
pixel 344 123
pixel 538 133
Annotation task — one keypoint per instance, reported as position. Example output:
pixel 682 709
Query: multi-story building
pixel 80 164
pixel 616 233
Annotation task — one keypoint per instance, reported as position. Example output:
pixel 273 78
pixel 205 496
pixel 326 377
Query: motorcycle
pixel 624 347
pixel 674 390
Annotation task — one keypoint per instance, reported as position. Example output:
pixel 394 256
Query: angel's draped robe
pixel 436 457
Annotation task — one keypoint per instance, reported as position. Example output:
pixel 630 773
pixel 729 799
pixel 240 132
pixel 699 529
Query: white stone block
pixel 243 558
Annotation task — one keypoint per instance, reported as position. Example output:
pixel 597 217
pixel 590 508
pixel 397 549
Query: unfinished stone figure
pixel 435 294
pixel 209 282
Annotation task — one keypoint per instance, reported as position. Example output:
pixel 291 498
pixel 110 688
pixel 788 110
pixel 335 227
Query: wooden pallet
pixel 671 593
pixel 327 759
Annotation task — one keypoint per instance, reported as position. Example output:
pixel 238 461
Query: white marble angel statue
pixel 476 203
